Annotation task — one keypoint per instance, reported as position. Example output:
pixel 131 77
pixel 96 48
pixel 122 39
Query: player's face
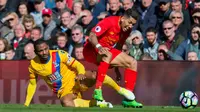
pixel 127 23
pixel 42 50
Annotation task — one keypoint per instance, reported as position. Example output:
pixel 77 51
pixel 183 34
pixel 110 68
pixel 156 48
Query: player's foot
pixel 127 94
pixel 104 104
pixel 98 95
pixel 133 103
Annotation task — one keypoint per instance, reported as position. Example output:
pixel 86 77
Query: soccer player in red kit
pixel 102 39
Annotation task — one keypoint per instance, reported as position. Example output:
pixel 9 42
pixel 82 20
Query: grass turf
pixel 117 108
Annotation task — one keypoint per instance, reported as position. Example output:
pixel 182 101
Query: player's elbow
pixel 91 36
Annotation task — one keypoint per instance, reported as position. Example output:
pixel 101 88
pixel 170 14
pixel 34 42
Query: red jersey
pixel 108 31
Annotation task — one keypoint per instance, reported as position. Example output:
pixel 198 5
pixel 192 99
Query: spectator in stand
pixel 171 39
pixel 64 27
pixel 10 53
pixel 29 24
pixel 147 18
pixel 88 22
pixel 3 48
pixel 125 49
pixel 78 51
pixel 196 4
pixel 95 7
pixel 115 8
pixel 36 33
pixel 77 8
pixel 7 30
pixel 162 14
pixel 37 14
pixel 29 51
pixel 22 10
pixel 146 56
pixel 77 38
pixel 61 42
pixel 191 44
pixel 60 7
pixel 19 41
pixel 177 19
pixel 151 44
pixel 48 24
pixel 191 55
pixel 3 9
pixel 127 4
pixel 196 16
pixel 162 55
pixel 135 44
pixel 176 5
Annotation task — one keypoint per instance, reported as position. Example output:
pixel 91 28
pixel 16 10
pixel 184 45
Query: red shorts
pixel 90 54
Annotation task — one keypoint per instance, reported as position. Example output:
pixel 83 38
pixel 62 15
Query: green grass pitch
pixel 117 108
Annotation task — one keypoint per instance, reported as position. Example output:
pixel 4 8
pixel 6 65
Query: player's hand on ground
pixel 25 105
pixel 80 77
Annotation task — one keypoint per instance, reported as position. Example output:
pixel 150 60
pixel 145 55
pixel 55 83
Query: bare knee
pixel 68 100
pixel 131 63
pixel 107 58
pixel 67 103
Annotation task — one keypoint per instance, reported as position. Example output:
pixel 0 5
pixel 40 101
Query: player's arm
pixel 71 62
pixel 31 87
pixel 97 31
pixel 94 41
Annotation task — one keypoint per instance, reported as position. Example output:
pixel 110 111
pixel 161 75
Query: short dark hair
pixel 195 25
pixel 58 34
pixel 151 29
pixel 195 10
pixel 37 28
pixel 132 12
pixel 38 42
pixel 145 55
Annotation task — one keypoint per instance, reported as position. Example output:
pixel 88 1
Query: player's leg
pixel 68 100
pixel 90 79
pixel 71 100
pixel 130 74
pixel 90 55
pixel 102 70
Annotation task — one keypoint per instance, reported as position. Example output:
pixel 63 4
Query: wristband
pixel 98 46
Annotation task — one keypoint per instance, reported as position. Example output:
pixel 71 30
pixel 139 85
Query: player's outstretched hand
pixel 80 77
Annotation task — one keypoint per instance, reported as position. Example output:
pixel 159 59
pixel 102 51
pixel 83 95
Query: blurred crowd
pixel 165 30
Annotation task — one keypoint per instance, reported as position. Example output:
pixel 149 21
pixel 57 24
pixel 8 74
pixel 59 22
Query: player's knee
pixel 107 58
pixel 131 62
pixel 67 103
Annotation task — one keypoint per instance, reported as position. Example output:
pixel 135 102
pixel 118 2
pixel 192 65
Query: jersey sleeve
pixel 102 26
pixel 31 86
pixel 32 75
pixel 71 62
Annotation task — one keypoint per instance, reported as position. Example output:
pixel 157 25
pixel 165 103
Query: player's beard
pixel 44 58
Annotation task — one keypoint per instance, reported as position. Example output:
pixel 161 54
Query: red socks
pixel 102 70
pixel 130 79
